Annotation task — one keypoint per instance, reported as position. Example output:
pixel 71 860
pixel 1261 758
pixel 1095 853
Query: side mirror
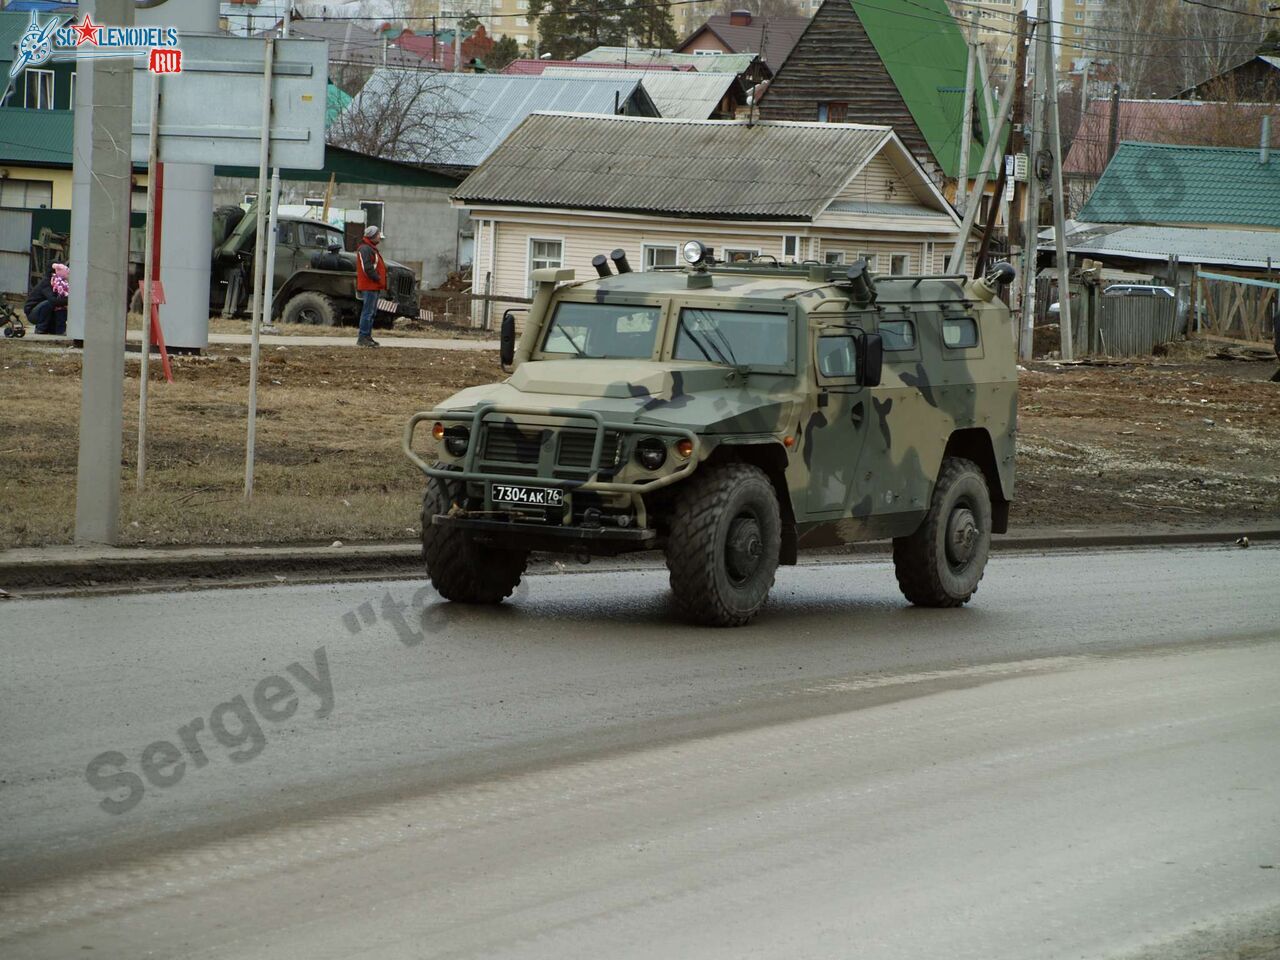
pixel 507 341
pixel 872 359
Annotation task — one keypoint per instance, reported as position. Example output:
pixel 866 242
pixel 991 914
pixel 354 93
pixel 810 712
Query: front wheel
pixel 941 563
pixel 313 308
pixel 460 569
pixel 722 549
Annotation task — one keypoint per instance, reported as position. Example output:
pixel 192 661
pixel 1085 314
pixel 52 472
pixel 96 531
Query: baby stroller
pixel 11 318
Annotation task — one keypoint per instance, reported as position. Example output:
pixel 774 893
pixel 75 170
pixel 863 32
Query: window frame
pixel 40 77
pixel 622 300
pixel 901 353
pixel 906 266
pixel 380 205
pixel 528 259
pixel 827 260
pixel 960 352
pixel 728 252
pixel 793 238
pixel 647 248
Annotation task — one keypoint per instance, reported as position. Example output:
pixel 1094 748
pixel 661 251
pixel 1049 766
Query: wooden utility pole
pixel 1018 137
pixel 1113 131
pixel 1031 230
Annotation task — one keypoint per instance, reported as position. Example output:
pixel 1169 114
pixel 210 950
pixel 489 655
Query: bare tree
pixel 1159 47
pixel 406 115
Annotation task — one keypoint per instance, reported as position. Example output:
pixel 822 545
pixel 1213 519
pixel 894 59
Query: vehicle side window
pixel 314 235
pixel 286 233
pixel 960 332
pixel 898 334
pixel 837 357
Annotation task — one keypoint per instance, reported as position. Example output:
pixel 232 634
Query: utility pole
pixel 1113 127
pixel 1017 136
pixel 1036 146
pixel 1059 212
pixel 259 265
pixel 99 235
pixel 273 212
pixel 1084 87
pixel 966 123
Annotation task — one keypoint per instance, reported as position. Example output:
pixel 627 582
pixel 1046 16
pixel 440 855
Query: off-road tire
pixel 311 307
pixel 931 571
pixel 709 511
pixel 460 569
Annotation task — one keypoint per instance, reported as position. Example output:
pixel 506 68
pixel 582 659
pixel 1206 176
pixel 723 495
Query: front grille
pixel 401 285
pixel 576 447
pixel 508 444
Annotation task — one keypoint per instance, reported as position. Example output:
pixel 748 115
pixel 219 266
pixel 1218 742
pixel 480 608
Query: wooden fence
pixel 1240 307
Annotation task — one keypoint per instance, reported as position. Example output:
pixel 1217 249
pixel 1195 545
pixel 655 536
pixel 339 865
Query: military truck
pixel 304 294
pixel 729 415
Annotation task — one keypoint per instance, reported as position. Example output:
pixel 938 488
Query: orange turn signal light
pixel 437 431
pixel 788 441
pixel 684 448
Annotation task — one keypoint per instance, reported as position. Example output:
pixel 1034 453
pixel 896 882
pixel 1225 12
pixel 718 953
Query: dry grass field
pixel 1151 442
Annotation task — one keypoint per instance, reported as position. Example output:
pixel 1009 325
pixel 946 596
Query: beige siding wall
pixel 504 243
pixel 879 182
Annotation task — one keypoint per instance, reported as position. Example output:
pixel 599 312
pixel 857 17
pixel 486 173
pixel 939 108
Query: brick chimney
pixel 740 18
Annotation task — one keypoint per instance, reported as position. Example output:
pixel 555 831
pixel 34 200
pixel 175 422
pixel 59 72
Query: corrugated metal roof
pixel 483 108
pixel 35 136
pixel 690 96
pixel 1156 183
pixel 1240 248
pixel 722 168
pixel 640 56
pixel 771 37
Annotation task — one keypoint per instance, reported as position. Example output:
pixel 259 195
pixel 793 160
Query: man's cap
pixel 370 232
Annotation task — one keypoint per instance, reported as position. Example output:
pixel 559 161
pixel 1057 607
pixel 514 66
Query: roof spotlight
pixel 694 252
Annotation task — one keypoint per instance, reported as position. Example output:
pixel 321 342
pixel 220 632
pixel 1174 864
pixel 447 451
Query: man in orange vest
pixel 371 280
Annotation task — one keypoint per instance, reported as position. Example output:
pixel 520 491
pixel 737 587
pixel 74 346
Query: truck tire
pixel 460 569
pixel 317 309
pixel 722 549
pixel 941 563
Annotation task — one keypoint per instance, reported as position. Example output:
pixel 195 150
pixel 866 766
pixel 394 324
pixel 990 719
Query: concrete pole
pixel 1031 240
pixel 966 124
pixel 259 267
pixel 971 215
pixel 100 175
pixel 1059 214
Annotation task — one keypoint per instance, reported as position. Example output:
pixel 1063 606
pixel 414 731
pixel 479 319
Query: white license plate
pixel 528 496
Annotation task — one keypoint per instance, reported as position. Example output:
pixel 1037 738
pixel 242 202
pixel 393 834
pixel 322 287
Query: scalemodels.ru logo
pixel 67 40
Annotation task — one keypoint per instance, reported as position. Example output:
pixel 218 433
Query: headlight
pixel 694 252
pixel 456 439
pixel 651 453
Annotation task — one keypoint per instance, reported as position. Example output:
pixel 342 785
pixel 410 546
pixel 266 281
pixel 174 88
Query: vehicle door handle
pixel 858 414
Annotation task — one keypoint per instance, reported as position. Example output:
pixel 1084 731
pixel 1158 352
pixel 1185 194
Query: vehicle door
pixel 835 431
pixel 286 251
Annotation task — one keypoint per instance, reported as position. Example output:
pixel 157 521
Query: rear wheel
pixel 941 563
pixel 459 568
pixel 310 307
pixel 722 549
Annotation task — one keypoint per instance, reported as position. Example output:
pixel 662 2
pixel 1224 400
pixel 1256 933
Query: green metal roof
pixel 39 137
pixel 925 53
pixel 1167 184
pixel 337 101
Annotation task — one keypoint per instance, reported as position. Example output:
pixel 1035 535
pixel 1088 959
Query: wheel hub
pixel 962 536
pixel 744 548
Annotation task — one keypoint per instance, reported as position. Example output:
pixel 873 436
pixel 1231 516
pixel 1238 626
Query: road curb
pixel 192 567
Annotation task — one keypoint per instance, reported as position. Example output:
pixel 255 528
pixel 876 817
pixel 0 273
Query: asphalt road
pixel 1083 763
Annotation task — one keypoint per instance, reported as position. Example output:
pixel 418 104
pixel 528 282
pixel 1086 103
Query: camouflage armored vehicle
pixel 730 415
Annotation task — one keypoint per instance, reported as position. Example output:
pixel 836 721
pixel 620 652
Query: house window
pixel 544 254
pixel 373 213
pixel 659 256
pixel 739 255
pixel 250 198
pixel 899 264
pixel 833 257
pixel 873 263
pixel 39 89
pixel 790 247
pixel 26 194
pixel 314 202
pixel 833 112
